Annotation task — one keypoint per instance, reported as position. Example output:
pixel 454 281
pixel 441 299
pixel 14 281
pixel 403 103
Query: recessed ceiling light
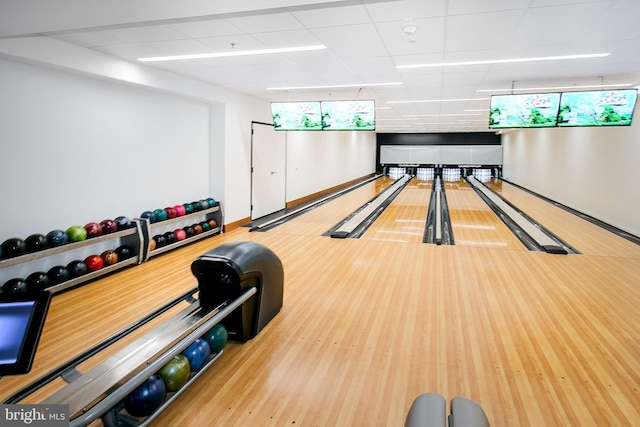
pixel 232 53
pixel 334 86
pixel 439 115
pixel 438 100
pixel 504 61
pixel 532 89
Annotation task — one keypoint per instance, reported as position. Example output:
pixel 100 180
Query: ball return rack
pixel 240 285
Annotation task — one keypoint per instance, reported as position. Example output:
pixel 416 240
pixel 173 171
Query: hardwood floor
pixel 367 325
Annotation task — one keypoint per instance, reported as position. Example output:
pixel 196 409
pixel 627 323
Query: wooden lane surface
pixel 321 218
pixel 366 326
pixel 536 339
pixel 473 222
pixel 405 218
pixel 586 237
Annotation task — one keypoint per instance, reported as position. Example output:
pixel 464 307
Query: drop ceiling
pixel 365 42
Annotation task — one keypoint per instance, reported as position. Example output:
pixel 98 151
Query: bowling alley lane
pixel 586 237
pixel 318 220
pixel 404 219
pixel 472 220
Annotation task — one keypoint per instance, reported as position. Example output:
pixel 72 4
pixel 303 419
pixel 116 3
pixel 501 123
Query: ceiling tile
pixel 481 31
pixel 267 23
pixel 352 40
pixel 332 17
pixel 406 10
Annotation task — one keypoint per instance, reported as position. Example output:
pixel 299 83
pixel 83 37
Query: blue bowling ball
pixel 147 397
pixel 57 238
pixel 197 354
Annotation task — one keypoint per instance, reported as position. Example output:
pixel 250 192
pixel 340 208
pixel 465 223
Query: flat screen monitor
pixel 597 108
pixel 296 115
pixel 536 110
pixel 348 115
pixel 22 316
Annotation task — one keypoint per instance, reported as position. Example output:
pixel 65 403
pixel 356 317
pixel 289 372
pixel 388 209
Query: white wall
pixel 160 117
pixel 592 170
pixel 324 159
pixel 75 149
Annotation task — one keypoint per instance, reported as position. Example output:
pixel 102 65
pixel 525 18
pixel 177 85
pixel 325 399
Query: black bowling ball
pixel 58 274
pixel 15 285
pixel 124 252
pixel 35 243
pixel 37 281
pixel 171 238
pixel 77 268
pixel 160 240
pixel 189 230
pixel 123 222
pixel 13 247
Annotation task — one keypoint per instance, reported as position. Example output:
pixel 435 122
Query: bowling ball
pixel 109 226
pixel 197 354
pixel 161 215
pixel 77 268
pixel 217 338
pixel 152 244
pixel 15 285
pixel 171 213
pixel 180 234
pixel 94 262
pixel 160 240
pixel 35 243
pixel 57 238
pixel 149 215
pixel 176 373
pixel 180 210
pixel 170 237
pixel 188 208
pixel 58 274
pixel 205 226
pixel 213 223
pixel 13 247
pixel 211 201
pixel 197 207
pixel 124 252
pixel 93 230
pixel 109 257
pixel 197 228
pixel 123 222
pixel 204 204
pixel 147 397
pixel 76 233
pixel 37 281
pixel 189 231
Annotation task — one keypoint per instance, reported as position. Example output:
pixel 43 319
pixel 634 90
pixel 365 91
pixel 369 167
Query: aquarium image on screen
pixel 597 108
pixel 296 115
pixel 524 111
pixel 348 115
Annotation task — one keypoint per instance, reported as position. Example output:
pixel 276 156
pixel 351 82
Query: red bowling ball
pixel 93 230
pixel 94 262
pixel 171 213
pixel 109 226
pixel 180 234
pixel 180 210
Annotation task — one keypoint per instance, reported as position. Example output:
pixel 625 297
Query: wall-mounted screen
pixel 524 111
pixel 348 115
pixel 21 319
pixel 296 115
pixel 597 108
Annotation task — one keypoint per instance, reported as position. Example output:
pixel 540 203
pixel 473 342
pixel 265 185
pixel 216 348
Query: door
pixel 268 165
